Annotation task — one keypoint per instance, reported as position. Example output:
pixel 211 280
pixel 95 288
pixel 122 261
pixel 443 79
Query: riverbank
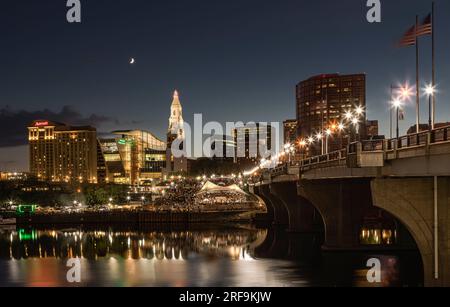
pixel 137 217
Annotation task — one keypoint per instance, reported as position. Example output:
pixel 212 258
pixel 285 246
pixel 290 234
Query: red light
pixel 41 124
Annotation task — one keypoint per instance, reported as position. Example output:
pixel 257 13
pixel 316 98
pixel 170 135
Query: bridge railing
pixel 367 146
pixel 332 156
pixel 377 147
pixel 279 170
pixel 440 135
pixel 424 138
pixel 412 140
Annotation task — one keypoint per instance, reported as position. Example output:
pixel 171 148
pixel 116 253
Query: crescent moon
pixel 132 61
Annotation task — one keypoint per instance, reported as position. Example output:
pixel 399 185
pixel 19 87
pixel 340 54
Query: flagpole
pixel 433 117
pixel 417 78
pixel 392 111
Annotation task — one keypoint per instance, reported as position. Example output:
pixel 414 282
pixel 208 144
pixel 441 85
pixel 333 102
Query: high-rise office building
pixel 223 147
pixel 253 143
pixel 322 101
pixel 290 131
pixel 62 153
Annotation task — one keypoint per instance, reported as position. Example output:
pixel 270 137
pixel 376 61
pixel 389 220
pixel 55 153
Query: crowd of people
pixel 190 195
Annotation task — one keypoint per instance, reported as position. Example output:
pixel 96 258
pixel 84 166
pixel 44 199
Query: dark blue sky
pixel 231 60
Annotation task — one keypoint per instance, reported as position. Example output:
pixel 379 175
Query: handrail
pixel 438 135
pixel 424 138
pixel 332 156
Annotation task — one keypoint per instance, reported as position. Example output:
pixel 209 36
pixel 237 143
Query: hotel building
pixel 62 153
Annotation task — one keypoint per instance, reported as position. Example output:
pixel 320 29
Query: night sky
pixel 233 60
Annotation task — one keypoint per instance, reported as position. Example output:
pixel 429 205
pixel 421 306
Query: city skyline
pixel 58 64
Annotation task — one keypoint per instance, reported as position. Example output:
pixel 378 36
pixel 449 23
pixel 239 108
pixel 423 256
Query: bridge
pixel 405 179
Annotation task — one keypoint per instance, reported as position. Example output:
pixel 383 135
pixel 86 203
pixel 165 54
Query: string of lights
pixel 352 117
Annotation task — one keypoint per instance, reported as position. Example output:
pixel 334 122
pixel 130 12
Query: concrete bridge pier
pixel 342 204
pixel 270 209
pixel 301 214
pixel 274 205
pixel 422 205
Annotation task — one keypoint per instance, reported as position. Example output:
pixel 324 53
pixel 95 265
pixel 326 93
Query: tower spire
pixel 176 121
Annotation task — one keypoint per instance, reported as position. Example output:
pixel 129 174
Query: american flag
pixel 409 38
pixel 425 28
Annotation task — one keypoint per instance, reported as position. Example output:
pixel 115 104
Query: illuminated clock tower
pixel 176 121
pixel 175 132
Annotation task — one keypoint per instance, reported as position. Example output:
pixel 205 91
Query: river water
pixel 230 256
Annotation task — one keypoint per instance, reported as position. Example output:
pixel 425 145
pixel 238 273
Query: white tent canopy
pixel 214 188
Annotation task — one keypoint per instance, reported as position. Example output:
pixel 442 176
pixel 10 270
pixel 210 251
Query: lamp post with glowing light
pixel 303 144
pixel 397 105
pixel 353 118
pixel 319 137
pixel 355 123
pixel 340 129
pixel 429 90
pixel 328 133
pixel 287 150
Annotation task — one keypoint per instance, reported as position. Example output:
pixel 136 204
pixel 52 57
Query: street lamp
pixel 397 105
pixel 359 111
pixel 303 144
pixel 348 115
pixel 405 92
pixel 340 129
pixel 319 137
pixel 430 90
pixel 328 133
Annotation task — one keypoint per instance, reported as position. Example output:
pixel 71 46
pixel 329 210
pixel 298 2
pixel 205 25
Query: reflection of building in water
pixel 32 243
pixel 378 231
pixel 378 236
pixel 133 157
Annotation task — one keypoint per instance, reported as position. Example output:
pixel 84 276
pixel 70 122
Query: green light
pixel 22 209
pixel 27 236
pixel 125 142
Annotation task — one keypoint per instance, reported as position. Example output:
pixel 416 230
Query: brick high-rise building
pixel 62 153
pixel 323 100
pixel 290 131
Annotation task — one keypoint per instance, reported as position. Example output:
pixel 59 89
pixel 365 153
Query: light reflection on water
pixel 219 256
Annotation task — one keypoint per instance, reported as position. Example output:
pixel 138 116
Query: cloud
pixel 14 123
